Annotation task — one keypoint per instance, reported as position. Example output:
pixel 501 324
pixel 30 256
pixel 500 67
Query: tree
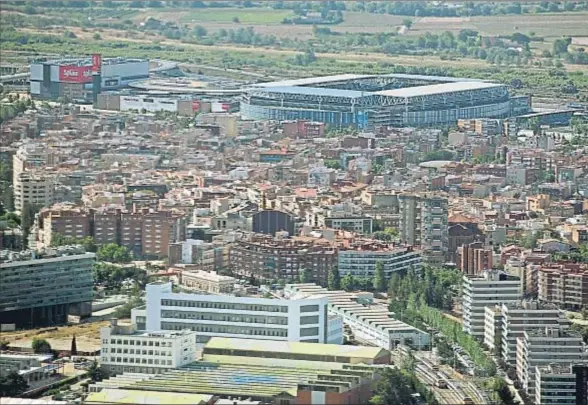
pixel 348 282
pixel 392 389
pixel 407 22
pixel 306 276
pixel 4 345
pixel 74 346
pixel 40 346
pixel 236 20
pixel 124 312
pixel 96 37
pixel 89 244
pixel 530 240
pixel 113 253
pixel 393 285
pixel 393 232
pixel 28 218
pixel 560 45
pixel 94 372
pixel 200 31
pixel 334 280
pixel 12 385
pixel 379 281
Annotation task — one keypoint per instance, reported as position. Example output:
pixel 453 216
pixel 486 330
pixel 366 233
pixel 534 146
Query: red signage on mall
pixel 195 105
pixel 75 74
pixel 96 62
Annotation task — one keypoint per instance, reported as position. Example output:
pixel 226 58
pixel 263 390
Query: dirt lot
pixel 87 336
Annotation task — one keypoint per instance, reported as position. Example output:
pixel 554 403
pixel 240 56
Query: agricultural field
pixel 259 16
pixel 355 22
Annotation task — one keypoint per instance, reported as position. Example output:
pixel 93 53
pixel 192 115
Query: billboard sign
pixel 96 62
pixel 195 105
pixel 219 107
pixel 75 74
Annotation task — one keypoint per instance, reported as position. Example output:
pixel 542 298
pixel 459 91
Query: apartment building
pixel 520 175
pixel 542 347
pixel 29 184
pixel 493 327
pixel 423 222
pixel 525 316
pixel 210 282
pixel 264 258
pixel 207 256
pixel 555 384
pixel 488 289
pixel 159 229
pixel 66 220
pixel 32 188
pixel 145 232
pixel 563 284
pixel 360 260
pixel 44 287
pixel 474 258
pixel 107 225
pixel 131 231
pixel 373 324
pixel 123 349
pixel 303 320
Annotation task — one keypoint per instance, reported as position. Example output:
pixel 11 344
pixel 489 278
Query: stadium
pixel 365 101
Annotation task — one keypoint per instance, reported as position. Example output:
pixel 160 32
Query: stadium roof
pixel 437 89
pixel 313 80
pixel 295 347
pixel 446 79
pixel 317 91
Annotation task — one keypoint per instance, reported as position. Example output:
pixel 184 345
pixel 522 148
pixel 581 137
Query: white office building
pixel 335 330
pixel 126 350
pixel 525 316
pixel 555 384
pixel 542 347
pixel 303 320
pixel 372 324
pixel 488 289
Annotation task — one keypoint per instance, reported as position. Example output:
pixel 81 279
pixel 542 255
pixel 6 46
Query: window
pixel 309 332
pixel 306 320
pixel 309 308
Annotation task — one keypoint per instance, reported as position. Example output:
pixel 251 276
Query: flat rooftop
pixel 294 347
pixel 438 89
pixel 122 396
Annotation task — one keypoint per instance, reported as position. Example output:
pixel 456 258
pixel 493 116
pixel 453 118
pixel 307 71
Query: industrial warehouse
pixel 381 100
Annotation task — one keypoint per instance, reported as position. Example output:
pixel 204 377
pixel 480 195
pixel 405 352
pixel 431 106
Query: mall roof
pixel 313 80
pixel 294 347
pixel 251 379
pixel 316 91
pixel 438 89
pixel 122 396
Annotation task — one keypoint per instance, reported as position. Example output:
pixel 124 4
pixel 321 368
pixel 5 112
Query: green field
pixel 246 16
pixel 224 15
